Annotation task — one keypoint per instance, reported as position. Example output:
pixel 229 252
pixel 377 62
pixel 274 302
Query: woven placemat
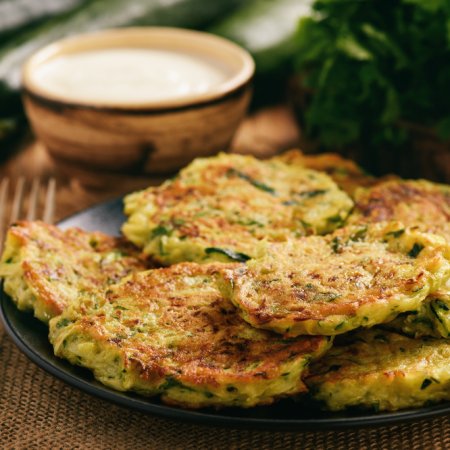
pixel 37 411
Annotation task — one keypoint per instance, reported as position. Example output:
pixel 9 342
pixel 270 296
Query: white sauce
pixel 128 75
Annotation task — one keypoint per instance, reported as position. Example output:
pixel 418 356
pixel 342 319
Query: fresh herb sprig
pixel 369 67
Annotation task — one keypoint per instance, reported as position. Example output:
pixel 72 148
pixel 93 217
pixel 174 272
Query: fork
pixel 21 199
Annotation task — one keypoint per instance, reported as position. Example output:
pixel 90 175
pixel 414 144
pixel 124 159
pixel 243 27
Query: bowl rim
pixel 232 85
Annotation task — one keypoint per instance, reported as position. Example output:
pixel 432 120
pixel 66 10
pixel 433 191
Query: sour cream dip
pixel 129 75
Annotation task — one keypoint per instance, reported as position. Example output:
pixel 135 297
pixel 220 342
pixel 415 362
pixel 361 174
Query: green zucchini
pixel 231 254
pixel 18 14
pixel 266 28
pixel 258 184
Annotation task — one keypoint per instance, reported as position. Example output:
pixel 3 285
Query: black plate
pixel 30 336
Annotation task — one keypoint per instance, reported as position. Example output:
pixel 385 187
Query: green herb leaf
pixel 441 305
pixel 416 249
pixel 253 182
pixel 359 235
pixel 352 59
pixel 312 194
pixel 395 233
pixel 336 245
pixel 235 256
pixel 62 323
pixel 121 308
pixel 173 383
pixel 337 220
pixel 160 230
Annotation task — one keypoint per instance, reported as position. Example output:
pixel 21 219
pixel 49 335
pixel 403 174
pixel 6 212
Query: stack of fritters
pixel 269 260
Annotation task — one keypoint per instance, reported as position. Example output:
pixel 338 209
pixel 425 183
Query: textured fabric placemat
pixel 37 411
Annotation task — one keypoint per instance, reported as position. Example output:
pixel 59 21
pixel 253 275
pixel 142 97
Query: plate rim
pixel 143 404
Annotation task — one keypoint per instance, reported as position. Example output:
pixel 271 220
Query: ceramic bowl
pixel 150 137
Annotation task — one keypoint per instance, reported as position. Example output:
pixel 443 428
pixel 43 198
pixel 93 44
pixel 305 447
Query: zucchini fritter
pixel 358 276
pixel 425 205
pixel 45 268
pixel 220 208
pixel 383 371
pixel 344 172
pixel 172 332
pixel 415 203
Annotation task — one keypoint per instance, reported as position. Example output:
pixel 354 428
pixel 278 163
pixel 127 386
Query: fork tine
pixel 17 201
pixel 4 187
pixel 34 197
pixel 49 208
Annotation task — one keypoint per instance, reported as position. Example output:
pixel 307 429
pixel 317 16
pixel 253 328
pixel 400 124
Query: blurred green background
pixel 370 79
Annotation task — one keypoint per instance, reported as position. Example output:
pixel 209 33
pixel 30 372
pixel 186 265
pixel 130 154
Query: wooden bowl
pixel 152 137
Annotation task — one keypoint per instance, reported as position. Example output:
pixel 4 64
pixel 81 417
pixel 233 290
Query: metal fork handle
pixel 4 187
pixel 19 200
pixel 49 206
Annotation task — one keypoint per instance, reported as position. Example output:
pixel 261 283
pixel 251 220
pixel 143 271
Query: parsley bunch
pixel 370 66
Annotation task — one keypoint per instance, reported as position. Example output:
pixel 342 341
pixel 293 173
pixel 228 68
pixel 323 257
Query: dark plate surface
pixel 30 336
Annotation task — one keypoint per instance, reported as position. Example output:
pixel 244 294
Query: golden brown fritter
pixel 425 205
pixel 360 275
pixel 221 208
pixel 172 332
pixel 344 172
pixel 380 370
pixel 415 203
pixel 45 268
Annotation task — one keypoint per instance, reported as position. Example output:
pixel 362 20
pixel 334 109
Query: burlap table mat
pixel 38 411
